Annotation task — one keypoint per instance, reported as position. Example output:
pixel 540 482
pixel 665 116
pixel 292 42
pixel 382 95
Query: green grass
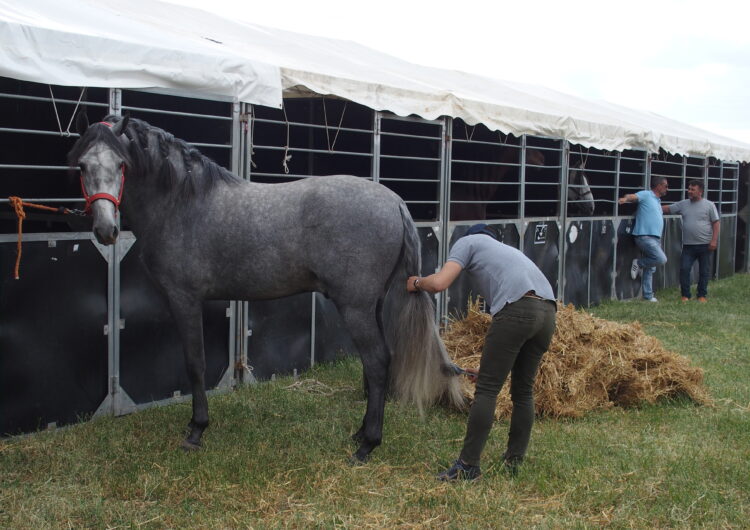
pixel 276 454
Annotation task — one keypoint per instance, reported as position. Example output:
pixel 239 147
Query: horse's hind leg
pixel 367 333
pixel 188 315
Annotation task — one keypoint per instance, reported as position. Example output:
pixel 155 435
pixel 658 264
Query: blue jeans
pixel 689 254
pixel 653 255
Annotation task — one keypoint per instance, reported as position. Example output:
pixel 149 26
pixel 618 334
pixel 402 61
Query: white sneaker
pixel 635 269
pixel 652 299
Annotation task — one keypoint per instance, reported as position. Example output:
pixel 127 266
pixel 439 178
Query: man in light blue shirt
pixel 649 224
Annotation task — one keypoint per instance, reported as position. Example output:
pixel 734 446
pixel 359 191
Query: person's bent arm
pixel 715 226
pixel 435 283
pixel 665 208
pixel 630 197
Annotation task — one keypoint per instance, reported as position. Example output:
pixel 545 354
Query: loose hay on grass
pixel 591 364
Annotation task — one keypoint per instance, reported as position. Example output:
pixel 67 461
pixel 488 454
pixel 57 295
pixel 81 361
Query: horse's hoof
pixel 356 460
pixel 187 445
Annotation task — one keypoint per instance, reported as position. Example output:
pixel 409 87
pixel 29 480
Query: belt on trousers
pixel 532 294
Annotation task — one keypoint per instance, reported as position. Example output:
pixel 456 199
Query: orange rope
pixel 18 205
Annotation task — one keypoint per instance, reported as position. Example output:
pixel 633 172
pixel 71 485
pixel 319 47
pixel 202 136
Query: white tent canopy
pixel 150 44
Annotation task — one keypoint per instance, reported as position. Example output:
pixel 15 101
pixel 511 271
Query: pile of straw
pixel 591 364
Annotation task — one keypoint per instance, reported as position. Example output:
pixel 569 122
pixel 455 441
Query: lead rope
pixel 18 205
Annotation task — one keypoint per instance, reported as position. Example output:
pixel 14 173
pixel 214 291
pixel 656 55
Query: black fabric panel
pixel 602 259
pixel 280 340
pixel 152 365
pixel 625 287
pixel 332 338
pixel 577 247
pixel 726 246
pixel 541 245
pixel 669 273
pixel 53 351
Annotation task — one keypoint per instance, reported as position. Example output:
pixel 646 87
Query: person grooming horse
pixel 523 310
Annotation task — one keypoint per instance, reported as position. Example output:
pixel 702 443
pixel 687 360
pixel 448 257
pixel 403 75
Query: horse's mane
pixel 149 154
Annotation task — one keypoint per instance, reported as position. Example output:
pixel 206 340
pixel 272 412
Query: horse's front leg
pixel 188 315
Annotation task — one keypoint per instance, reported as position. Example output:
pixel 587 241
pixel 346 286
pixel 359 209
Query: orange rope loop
pixel 18 205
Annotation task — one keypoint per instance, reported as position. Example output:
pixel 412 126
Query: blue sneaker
pixel 459 471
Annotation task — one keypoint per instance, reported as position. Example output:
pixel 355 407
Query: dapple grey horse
pixel 207 234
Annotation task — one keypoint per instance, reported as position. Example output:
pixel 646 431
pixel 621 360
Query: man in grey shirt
pixel 523 309
pixel 700 235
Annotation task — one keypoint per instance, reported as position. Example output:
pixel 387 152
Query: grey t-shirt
pixel 697 218
pixel 502 273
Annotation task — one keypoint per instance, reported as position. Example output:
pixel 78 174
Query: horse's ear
pixel 121 125
pixel 82 123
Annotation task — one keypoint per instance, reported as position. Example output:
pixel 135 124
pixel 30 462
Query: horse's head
pixel 101 154
pixel 580 198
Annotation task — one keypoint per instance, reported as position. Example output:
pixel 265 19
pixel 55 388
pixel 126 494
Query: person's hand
pixel 410 284
pixel 472 374
pixel 712 246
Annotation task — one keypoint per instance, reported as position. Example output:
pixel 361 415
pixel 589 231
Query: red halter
pixel 106 196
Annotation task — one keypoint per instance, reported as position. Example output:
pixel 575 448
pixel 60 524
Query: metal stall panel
pixel 53 325
pixel 53 347
pixel 541 245
pixel 485 174
pixel 577 263
pixel 596 171
pixel 151 363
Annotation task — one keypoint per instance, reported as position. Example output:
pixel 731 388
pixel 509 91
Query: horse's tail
pixel 421 371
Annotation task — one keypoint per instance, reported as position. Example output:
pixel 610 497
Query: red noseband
pixel 106 196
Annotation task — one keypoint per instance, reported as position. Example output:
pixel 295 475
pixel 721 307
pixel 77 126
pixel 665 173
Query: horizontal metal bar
pixel 49 100
pixel 219 146
pixel 485 183
pixel 27 166
pixel 48 236
pixel 400 179
pixel 413 136
pixel 311 125
pixel 484 142
pixel 37 132
pixel 257 147
pixel 177 113
pixel 398 157
pixel 43 199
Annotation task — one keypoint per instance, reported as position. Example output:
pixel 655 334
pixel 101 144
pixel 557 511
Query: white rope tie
pixel 287 156
pixel 57 115
pixel 331 146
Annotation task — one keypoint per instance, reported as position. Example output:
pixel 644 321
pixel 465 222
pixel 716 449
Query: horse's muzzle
pixel 108 235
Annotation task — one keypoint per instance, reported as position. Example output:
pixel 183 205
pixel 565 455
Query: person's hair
pixel 696 182
pixel 655 181
pixel 481 228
